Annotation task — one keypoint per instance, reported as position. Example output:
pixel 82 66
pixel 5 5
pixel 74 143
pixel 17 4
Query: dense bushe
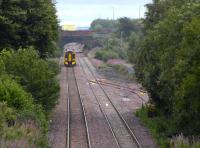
pixel 167 61
pixel 30 92
pixel 28 84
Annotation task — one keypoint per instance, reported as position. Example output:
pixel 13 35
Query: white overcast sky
pixel 82 12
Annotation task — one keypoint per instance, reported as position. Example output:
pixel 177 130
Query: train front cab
pixel 70 58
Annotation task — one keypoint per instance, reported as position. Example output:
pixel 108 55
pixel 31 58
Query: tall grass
pixel 105 55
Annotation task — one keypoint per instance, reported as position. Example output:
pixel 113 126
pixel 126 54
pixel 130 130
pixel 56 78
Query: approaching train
pixel 70 58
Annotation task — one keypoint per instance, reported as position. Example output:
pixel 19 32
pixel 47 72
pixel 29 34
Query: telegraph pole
pixel 113 13
pixel 121 39
pixel 139 12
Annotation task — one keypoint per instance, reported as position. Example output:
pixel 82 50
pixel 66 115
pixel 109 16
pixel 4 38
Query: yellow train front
pixel 70 58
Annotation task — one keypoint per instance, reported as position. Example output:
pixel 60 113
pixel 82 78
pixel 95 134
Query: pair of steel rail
pixel 69 114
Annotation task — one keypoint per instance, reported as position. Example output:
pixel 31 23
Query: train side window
pixel 66 55
pixel 73 56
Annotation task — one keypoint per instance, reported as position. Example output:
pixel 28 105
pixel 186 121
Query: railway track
pixel 119 86
pixel 134 91
pixel 102 111
pixel 83 64
pixel 77 126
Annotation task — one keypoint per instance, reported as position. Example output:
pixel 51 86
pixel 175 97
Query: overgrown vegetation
pixel 30 92
pixel 162 128
pixel 167 62
pixel 28 85
pixel 112 49
pixel 34 74
pixel 159 126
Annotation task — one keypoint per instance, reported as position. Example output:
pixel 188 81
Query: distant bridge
pixel 82 33
pixel 81 36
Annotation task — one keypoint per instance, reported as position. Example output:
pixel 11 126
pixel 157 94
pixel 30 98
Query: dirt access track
pixel 97 113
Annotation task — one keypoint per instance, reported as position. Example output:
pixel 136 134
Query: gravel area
pixel 100 134
pixel 128 103
pixel 78 135
pixel 122 134
pixel 58 126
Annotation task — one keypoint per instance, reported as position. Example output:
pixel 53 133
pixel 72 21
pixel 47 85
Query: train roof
pixel 68 49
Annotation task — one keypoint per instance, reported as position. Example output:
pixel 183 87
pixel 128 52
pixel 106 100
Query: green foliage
pixel 34 75
pixel 126 26
pixel 187 104
pixel 53 65
pixel 157 11
pixel 106 55
pixel 6 114
pixel 103 24
pixel 160 126
pixel 16 113
pixel 133 47
pixel 120 68
pixel 28 87
pixel 121 30
pixel 2 67
pixel 28 23
pixel 14 95
pixel 167 61
pixel 117 46
pixel 16 98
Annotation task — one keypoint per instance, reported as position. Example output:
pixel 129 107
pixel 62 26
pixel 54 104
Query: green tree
pixel 155 13
pixel 133 47
pixel 26 23
pixel 103 24
pixel 167 61
pixel 127 26
pixel 187 104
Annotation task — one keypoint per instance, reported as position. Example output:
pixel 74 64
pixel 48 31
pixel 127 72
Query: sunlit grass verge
pixel 117 71
pixel 123 70
pixel 105 55
pixel 17 132
pixel 183 142
pixel 163 130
